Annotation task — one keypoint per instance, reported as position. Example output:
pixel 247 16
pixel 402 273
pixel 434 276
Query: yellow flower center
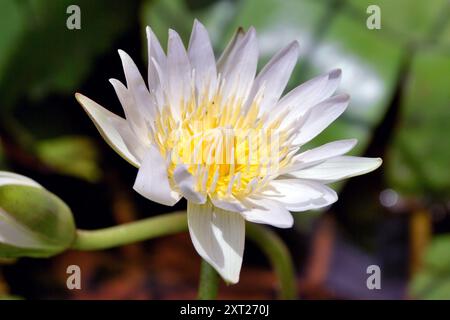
pixel 226 146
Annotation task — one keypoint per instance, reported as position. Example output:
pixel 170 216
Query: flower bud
pixel 33 221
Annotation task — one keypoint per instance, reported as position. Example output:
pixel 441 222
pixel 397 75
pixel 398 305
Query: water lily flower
pixel 33 221
pixel 217 134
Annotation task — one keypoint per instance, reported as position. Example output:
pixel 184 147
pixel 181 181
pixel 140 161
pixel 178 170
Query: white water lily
pixel 198 130
pixel 12 232
pixel 33 221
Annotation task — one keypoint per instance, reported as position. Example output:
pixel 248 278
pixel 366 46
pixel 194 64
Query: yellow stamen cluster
pixel 227 146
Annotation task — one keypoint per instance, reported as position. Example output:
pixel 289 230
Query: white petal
pixel 15 234
pixel 314 156
pixel 152 181
pixel 9 178
pixel 136 85
pixel 218 236
pixel 269 212
pixel 320 117
pixel 201 56
pixel 309 94
pixel 132 114
pixel 300 195
pixel 338 168
pixel 240 68
pixel 179 74
pixel 186 183
pixel 230 49
pixel 274 76
pixel 156 53
pixel 229 203
pixel 114 129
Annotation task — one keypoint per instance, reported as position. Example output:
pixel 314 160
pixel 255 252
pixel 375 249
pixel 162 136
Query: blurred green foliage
pixel 39 56
pixel 420 153
pixel 433 281
pixel 72 155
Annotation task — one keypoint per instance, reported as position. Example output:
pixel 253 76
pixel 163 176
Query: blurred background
pixel 398 76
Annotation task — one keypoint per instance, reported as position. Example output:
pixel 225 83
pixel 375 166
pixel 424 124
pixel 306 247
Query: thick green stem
pixel 209 282
pixel 176 222
pixel 120 235
pixel 278 254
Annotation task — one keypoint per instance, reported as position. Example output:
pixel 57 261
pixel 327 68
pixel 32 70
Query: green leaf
pixel 71 155
pixel 39 223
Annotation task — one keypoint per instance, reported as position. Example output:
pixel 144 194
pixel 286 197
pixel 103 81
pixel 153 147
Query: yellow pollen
pixel 226 145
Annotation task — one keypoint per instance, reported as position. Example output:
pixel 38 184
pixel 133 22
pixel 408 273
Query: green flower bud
pixel 33 221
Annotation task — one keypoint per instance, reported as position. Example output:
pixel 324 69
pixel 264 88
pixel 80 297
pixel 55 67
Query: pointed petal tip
pixel 227 277
pixel 379 162
pixel 231 280
pixel 295 45
pixel 353 142
pixel 286 225
pixel 343 97
pixel 372 166
pixel 335 73
pixel 240 31
pixel 252 31
pixel 198 27
pixel 123 56
pixel 82 99
pixel 172 33
pixel 197 23
pixel 218 237
pixel 149 33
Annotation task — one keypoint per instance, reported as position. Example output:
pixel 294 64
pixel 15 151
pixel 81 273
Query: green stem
pixel 209 282
pixel 120 235
pixel 176 222
pixel 278 254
